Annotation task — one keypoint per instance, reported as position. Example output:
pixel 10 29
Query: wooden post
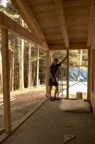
pixel 21 62
pixel 13 66
pixel 89 74
pixel 6 85
pixel 0 64
pixel 47 72
pixel 37 66
pixel 67 73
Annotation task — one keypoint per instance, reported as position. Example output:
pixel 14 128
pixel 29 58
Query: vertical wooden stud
pixel 6 85
pixel 89 74
pixel 47 71
pixel 67 73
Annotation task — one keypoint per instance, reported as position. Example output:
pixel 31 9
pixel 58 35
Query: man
pixel 52 77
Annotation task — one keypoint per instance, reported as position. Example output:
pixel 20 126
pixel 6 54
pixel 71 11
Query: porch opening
pixel 75 71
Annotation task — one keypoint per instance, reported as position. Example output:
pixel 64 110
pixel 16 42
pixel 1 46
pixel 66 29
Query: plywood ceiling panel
pixel 77 15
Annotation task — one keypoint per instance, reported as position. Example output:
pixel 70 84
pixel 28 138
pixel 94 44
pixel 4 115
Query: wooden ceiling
pixel 57 22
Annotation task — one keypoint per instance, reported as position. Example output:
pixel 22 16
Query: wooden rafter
pixel 72 46
pixel 29 18
pixel 62 21
pixel 91 24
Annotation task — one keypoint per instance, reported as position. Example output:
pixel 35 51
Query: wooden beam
pixel 67 76
pixel 47 72
pixel 89 75
pixel 72 46
pixel 29 18
pixel 6 83
pixel 3 129
pixel 62 21
pixel 18 30
pixel 91 24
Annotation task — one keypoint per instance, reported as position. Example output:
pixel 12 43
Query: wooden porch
pixel 53 25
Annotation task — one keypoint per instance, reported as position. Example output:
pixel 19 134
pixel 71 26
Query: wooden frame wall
pixel 73 47
pixel 92 76
pixel 8 25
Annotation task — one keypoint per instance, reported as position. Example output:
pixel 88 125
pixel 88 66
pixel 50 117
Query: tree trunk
pixel 79 72
pixel 30 83
pixel 34 73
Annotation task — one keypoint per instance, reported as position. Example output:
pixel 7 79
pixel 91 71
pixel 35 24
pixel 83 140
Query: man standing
pixel 52 77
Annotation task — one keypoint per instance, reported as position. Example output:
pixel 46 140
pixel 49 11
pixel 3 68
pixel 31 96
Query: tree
pixel 30 83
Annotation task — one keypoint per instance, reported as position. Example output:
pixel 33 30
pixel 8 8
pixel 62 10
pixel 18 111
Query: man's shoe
pixel 52 98
pixel 56 98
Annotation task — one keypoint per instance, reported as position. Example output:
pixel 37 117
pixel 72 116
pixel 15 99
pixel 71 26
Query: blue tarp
pixel 73 74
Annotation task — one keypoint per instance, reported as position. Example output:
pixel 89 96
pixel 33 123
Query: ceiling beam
pixel 62 21
pixel 25 11
pixel 71 47
pixel 91 24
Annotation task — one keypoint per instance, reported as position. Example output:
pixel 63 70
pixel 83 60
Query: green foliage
pixel 59 54
pixel 74 56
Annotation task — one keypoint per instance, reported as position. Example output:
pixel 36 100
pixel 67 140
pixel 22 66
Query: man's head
pixel 55 61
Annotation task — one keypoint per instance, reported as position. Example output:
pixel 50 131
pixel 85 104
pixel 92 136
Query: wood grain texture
pixel 77 17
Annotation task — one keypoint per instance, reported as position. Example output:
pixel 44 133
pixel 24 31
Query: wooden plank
pixel 67 76
pixel 72 46
pixel 3 129
pixel 6 83
pixel 29 18
pixel 18 30
pixel 91 24
pixel 89 74
pixel 47 72
pixel 62 21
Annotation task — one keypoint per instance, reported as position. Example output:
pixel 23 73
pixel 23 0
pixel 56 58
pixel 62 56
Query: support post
pixel 89 74
pixel 67 73
pixel 47 72
pixel 6 85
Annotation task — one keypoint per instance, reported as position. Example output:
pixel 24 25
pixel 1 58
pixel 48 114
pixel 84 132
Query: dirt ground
pixel 22 102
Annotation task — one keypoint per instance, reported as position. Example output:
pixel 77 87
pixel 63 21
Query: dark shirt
pixel 53 69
